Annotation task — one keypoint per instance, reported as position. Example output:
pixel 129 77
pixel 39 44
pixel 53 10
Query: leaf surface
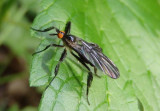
pixel 129 34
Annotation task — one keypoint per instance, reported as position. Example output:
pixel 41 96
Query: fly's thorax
pixel 69 40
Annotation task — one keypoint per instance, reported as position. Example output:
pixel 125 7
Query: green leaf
pixel 129 33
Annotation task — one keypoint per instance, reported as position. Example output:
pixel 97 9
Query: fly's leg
pixel 81 60
pixel 68 27
pixel 86 61
pixel 54 45
pixel 90 77
pixel 57 66
pixel 45 30
pixel 89 81
pixel 95 71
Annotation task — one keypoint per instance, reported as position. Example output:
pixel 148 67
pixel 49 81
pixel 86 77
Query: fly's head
pixel 60 34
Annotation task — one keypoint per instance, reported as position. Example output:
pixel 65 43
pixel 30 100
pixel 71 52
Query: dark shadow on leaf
pixel 47 56
pixel 140 105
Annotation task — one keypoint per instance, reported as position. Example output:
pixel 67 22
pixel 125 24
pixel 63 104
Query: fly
pixel 85 52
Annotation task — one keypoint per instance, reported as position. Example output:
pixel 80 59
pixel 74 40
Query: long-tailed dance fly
pixel 85 52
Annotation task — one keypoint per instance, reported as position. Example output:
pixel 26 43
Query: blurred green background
pixel 16 47
pixel 127 30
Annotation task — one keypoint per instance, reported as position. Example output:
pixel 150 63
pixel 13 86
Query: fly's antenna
pixel 52 34
pixel 57 30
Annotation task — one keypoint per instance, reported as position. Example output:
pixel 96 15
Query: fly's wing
pixel 93 53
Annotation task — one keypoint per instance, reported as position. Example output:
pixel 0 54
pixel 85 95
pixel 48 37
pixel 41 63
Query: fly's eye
pixel 62 32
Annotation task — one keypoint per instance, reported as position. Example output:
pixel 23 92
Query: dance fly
pixel 86 53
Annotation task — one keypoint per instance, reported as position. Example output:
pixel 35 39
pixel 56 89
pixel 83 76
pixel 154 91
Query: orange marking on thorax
pixel 60 34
